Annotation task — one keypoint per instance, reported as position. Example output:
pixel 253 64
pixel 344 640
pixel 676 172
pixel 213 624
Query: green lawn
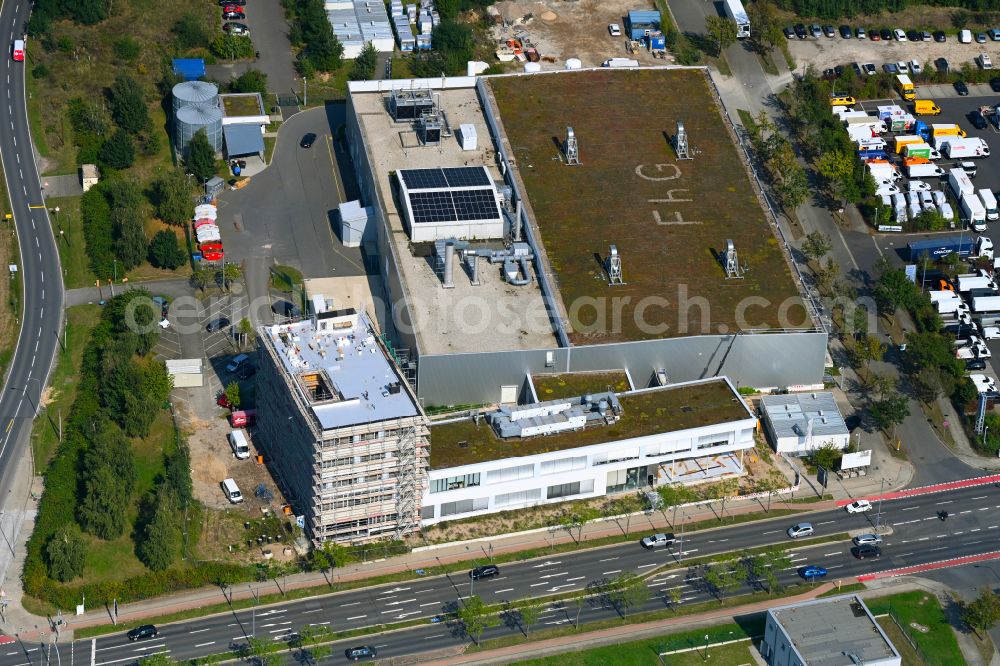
pixel 80 320
pixel 938 645
pixel 646 651
pixel 68 229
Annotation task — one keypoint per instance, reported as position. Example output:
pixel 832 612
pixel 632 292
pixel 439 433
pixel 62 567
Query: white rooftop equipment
pixel 681 143
pixel 467 135
pixel 572 149
pixel 461 203
pixel 732 262
pixel 615 267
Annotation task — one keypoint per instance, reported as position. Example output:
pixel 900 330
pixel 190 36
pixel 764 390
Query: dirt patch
pixel 827 52
pixel 562 30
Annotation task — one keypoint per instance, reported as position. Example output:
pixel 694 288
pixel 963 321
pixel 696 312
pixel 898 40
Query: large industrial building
pixel 533 225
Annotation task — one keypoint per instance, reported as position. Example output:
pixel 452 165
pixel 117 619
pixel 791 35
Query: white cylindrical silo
pixel 194 92
pixel 194 118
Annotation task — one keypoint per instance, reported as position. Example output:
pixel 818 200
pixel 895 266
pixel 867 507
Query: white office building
pixel 800 423
pixel 587 446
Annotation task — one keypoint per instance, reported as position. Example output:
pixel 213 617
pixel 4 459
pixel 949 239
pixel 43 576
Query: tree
pixel 264 651
pixel 793 187
pixel 837 168
pixel 233 394
pixel 158 547
pixel 890 412
pixel 201 157
pixel 621 507
pixel 165 252
pixel 232 47
pixel 816 245
pixel 245 330
pixel 66 553
pixel 131 244
pixel 869 349
pixel 128 104
pixel 118 152
pixel 673 495
pixel 88 117
pixel 365 63
pixel 983 613
pixel 827 456
pixel 828 276
pixel 990 439
pixel 455 46
pixel 190 32
pixel 172 197
pixel 722 31
pixel 629 591
pixel 102 510
pixel 893 288
pixel 202 277
pixel 323 51
pixel 766 24
pixel 527 614
pixel 476 617
pixel 250 81
pixel 178 474
pixel 229 273
pixel 675 595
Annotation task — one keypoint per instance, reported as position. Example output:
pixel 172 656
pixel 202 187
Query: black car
pixel 838 70
pixel 247 371
pixel 961 88
pixel 789 31
pixel 885 34
pixel 486 571
pixel 145 631
pixel 845 32
pixel 977 120
pixel 941 65
pixel 308 140
pixel 995 83
pixel 234 16
pixel 829 74
pixel 800 31
pixel 866 550
pixel 939 36
pixel 217 325
pixel 360 652
pixel 975 364
pixel 913 35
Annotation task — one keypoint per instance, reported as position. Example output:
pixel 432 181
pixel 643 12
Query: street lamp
pixel 706 646
pixel 878 515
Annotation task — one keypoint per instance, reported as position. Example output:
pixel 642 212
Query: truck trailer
pixel 960 182
pixel 955 148
pixel 970 281
pixel 734 10
pixel 963 246
pixel 973 212
pixel 983 304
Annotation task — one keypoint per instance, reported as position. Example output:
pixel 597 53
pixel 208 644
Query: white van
pixel 620 62
pixel 232 491
pixel 965 36
pixel 990 202
pixel 239 444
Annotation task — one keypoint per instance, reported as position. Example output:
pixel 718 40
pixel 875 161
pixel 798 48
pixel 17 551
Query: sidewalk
pixel 614 635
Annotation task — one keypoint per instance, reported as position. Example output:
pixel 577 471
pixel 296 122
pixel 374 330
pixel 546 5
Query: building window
pixel 374 456
pixel 622 456
pixel 569 489
pixel 518 498
pixel 464 506
pixel 708 441
pixel 626 479
pixel 455 482
pixel 427 512
pixel 510 474
pixel 563 465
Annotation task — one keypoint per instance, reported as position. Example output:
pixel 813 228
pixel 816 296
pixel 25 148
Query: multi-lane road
pixel 918 536
pixel 39 264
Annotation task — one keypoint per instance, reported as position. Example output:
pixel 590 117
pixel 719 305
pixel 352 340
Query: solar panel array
pixel 433 195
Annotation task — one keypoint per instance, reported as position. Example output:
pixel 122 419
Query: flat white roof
pixel 364 383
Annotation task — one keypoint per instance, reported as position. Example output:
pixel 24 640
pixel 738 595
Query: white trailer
pixel 973 211
pixel 967 282
pixel 734 10
pixel 952 306
pixel 941 295
pixel 982 304
pixel 990 204
pixel 960 182
pixel 958 148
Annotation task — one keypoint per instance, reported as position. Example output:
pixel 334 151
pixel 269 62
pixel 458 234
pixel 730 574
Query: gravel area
pixel 829 51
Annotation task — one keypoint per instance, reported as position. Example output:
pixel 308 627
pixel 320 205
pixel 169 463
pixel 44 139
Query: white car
pixel 859 506
pixel 657 540
pixel 903 67
pixel 615 30
pixel 976 349
pixel 947 214
pixel 918 186
pixel 869 539
pixel 915 66
pixel 899 35
pixel 939 197
pixel 983 383
pixel 926 199
pixel 886 188
pixel 990 332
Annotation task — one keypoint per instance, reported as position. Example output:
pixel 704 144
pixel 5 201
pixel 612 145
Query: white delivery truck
pixel 982 304
pixel 960 182
pixel 941 295
pixel 956 148
pixel 238 442
pixel 990 204
pixel 735 11
pixel 952 306
pixel 968 281
pixel 925 171
pixel 973 212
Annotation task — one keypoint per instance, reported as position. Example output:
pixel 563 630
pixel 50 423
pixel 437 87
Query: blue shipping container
pixel 642 22
pixel 657 42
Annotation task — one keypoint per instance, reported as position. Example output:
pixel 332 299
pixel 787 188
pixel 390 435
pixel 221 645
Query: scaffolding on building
pixel 408 490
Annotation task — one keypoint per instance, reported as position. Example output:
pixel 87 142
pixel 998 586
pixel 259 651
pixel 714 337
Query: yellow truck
pixel 926 107
pixel 904 86
pixel 906 140
pixel 946 130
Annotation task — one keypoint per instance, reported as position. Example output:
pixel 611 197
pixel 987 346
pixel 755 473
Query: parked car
pixel 217 324
pixel 976 118
pixel 789 31
pixel 238 29
pixel 890 68
pixel 939 36
pixel 913 35
pixel 247 371
pixel 925 36
pixel 360 652
pixel 485 571
pixel 308 140
pixel 859 506
pixel 980 37
pixel 915 66
pixel 845 32
pixel 237 362
pixel 874 35
pixel 869 68
pixel 141 632
pixel 657 540
pixel 800 530
pixel 994 35
pixel 941 65
pixel 800 31
pixel 902 67
pixel 861 33
pixel 995 84
pixel 615 30
pixel 815 30
pixel 812 572
pixel 899 35
pixel 886 35
pixel 829 31
pixel 961 88
pixel 867 550
pixel 234 16
pixel 975 364
pixel 867 540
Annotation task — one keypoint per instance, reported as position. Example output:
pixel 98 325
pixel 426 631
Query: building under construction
pixel 341 430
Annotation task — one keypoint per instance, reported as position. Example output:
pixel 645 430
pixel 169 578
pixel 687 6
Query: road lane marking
pixel 430 604
pixel 944 502
pixel 771 532
pixel 427 638
pixel 836 552
pixel 204 644
pixel 506 589
pixel 642 566
pixel 315 610
pixel 608 559
pixel 353 603
pixel 357 617
pixel 976 530
pixel 910 508
pixel 198 631
pixel 825 522
pixel 978 498
pixel 614 571
pixel 537 584
pixel 966 511
pixel 546 564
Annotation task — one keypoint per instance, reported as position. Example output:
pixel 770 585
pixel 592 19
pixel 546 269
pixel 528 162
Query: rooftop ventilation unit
pixel 732 262
pixel 572 149
pixel 681 143
pixel 410 104
pixel 429 128
pixel 614 267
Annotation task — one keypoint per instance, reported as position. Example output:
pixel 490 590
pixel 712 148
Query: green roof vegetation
pixel 242 105
pixel 572 384
pixel 669 218
pixel 664 410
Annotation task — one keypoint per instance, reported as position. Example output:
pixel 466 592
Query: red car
pixel 210 247
pixel 231 8
pixel 223 402
pixel 212 256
